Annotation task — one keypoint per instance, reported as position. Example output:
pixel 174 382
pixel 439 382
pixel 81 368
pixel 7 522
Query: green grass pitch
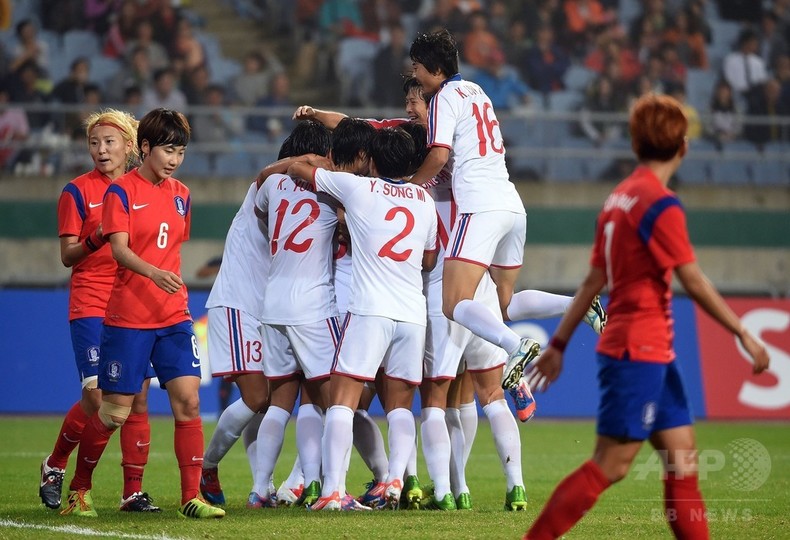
pixel 746 482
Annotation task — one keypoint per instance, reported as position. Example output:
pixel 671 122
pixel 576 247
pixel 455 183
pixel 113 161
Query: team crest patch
pixel 181 206
pixel 114 371
pixel 93 355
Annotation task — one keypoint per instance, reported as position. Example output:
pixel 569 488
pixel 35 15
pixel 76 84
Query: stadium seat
pixel 772 168
pixel 577 78
pixel 628 11
pixel 699 88
pixel 80 43
pixel 224 70
pixel 237 164
pixel 734 166
pixel 103 68
pixel 570 167
pixel 565 100
pixel 724 33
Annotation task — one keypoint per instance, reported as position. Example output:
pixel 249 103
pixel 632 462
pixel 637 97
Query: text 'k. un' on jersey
pixel 391 225
pixel 640 238
pixel 79 214
pixel 157 219
pixel 241 280
pixel 301 224
pixel 462 119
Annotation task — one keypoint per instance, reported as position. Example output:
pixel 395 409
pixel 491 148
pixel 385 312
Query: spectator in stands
pixel 689 40
pixel 61 15
pixel 24 88
pixel 537 13
pixel 186 46
pixel 218 124
pixel 137 72
pixel 674 70
pixel 122 30
pixel 14 128
pixel 72 88
pixel 502 83
pixel 601 98
pixel 724 120
pixel 782 74
pixel 611 47
pixel 445 14
pixel 498 19
pixel 144 38
pixel 655 17
pixel 253 82
pixel 164 93
pixel 743 68
pixel 479 42
pixel 29 47
pixel 133 101
pixel 390 66
pixel 766 101
pixel 195 84
pixel 279 96
pixel 517 45
pixel 774 40
pixel 99 14
pixel 546 62
pixel 584 17
pixel 694 130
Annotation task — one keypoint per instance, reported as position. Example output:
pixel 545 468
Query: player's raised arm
pixel 329 118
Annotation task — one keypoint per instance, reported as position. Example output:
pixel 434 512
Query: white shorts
pixel 370 342
pixel 494 238
pixel 447 342
pixel 306 348
pixel 235 345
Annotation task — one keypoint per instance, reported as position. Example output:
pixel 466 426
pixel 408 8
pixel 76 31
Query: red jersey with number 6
pixel 157 219
pixel 79 214
pixel 640 238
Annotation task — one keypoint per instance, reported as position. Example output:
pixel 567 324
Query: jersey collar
pixel 456 77
pixel 391 181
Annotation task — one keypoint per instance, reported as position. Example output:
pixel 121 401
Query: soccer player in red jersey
pixel 146 217
pixel 111 136
pixel 640 239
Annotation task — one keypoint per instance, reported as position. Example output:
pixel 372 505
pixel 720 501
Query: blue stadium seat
pixel 570 168
pixel 696 166
pixel 565 100
pixel 80 43
pixel 628 11
pixel 734 167
pixel 699 88
pixel 724 33
pixel 224 70
pixel 772 168
pixel 237 164
pixel 577 78
pixel 103 68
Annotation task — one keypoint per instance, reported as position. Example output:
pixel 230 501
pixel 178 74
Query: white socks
pixel 250 439
pixel 370 444
pixel 309 429
pixel 436 449
pixel 296 477
pixel 537 305
pixel 482 322
pixel 335 444
pixel 469 421
pixel 401 434
pixel 229 427
pixel 507 440
pixel 457 471
pixel 270 437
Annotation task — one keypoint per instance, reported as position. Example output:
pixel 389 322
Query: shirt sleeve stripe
pixel 76 194
pixel 652 214
pixel 118 190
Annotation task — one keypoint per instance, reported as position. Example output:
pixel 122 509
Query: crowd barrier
pixel 40 376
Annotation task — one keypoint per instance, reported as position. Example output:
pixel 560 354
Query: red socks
pixel 188 442
pixel 684 507
pixel 135 444
pixel 69 436
pixel 571 499
pixel 94 440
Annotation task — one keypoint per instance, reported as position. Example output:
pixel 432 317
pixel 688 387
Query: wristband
pixel 558 343
pixel 92 242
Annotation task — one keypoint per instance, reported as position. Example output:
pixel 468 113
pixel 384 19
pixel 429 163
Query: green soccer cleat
pixel 412 493
pixel 310 494
pixel 446 503
pixel 463 501
pixel 516 499
pixel 199 509
pixel 80 504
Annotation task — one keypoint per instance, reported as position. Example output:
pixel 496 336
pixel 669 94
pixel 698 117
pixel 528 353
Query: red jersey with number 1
pixel 157 219
pixel 640 238
pixel 79 214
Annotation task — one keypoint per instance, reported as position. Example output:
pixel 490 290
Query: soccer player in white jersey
pixel 235 312
pixel 491 227
pixel 301 326
pixel 393 232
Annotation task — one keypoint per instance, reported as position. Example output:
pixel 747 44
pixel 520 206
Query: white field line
pixel 82 531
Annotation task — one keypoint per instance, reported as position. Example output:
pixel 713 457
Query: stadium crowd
pixel 723 60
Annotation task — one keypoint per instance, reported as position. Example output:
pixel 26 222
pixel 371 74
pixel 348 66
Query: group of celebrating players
pixel 374 257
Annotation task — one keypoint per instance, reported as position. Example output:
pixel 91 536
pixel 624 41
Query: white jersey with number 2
pixel 462 119
pixel 391 225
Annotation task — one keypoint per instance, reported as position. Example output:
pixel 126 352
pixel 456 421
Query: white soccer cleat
pixel 517 362
pixel 596 316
